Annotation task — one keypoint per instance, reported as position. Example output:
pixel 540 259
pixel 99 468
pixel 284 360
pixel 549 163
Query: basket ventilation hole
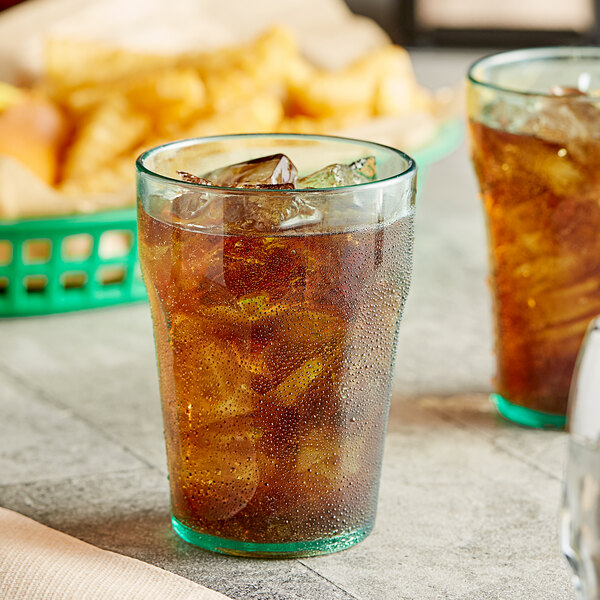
pixel 35 284
pixel 77 247
pixel 111 275
pixel 6 251
pixel 115 244
pixel 74 280
pixel 36 251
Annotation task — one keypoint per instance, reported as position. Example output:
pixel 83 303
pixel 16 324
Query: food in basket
pixel 117 102
pixel 32 130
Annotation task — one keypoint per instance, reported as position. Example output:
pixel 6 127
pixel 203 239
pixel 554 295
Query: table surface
pixel 468 503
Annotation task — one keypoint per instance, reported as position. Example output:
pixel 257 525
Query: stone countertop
pixel 468 502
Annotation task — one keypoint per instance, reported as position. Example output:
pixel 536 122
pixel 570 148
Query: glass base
pixel 527 416
pixel 258 550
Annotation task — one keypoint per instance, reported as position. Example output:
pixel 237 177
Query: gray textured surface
pixel 468 505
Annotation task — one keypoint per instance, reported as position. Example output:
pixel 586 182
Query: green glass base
pixel 527 416
pixel 257 550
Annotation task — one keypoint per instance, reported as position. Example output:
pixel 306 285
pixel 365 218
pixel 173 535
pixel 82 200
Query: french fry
pixel 271 63
pixel 396 89
pixel 169 98
pixel 329 94
pixel 275 57
pixel 82 100
pixel 9 95
pixel 110 178
pixel 169 94
pixel 380 83
pixel 229 88
pixel 110 130
pixel 260 114
pixel 71 64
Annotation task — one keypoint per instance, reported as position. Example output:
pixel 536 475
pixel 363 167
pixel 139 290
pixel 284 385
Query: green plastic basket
pixel 69 263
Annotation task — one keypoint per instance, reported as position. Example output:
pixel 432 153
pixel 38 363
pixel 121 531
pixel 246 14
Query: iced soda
pixel 537 158
pixel 275 338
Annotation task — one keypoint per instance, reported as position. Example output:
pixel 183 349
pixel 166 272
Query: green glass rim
pixel 407 173
pixel 507 57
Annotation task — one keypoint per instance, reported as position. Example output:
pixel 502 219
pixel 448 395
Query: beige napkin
pixel 39 563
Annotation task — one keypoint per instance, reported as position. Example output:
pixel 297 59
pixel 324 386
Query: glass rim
pixel 407 173
pixel 506 57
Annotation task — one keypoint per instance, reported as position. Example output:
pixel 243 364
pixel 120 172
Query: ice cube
pixel 561 90
pixel 188 205
pixel 506 115
pixel 301 327
pixel 366 166
pixel 219 469
pixel 337 175
pixel 251 212
pixel 272 170
pixel 153 231
pixel 268 186
pixel 191 178
pixel 570 121
pixel 208 373
pixel 272 212
pixel 288 392
pixel 269 212
pixel 330 453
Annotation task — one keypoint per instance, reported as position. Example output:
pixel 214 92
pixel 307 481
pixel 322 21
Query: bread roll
pixel 32 130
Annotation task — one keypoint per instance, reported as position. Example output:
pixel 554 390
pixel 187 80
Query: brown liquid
pixel 275 356
pixel 543 212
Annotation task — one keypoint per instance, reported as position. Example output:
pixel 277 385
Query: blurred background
pixel 471 23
